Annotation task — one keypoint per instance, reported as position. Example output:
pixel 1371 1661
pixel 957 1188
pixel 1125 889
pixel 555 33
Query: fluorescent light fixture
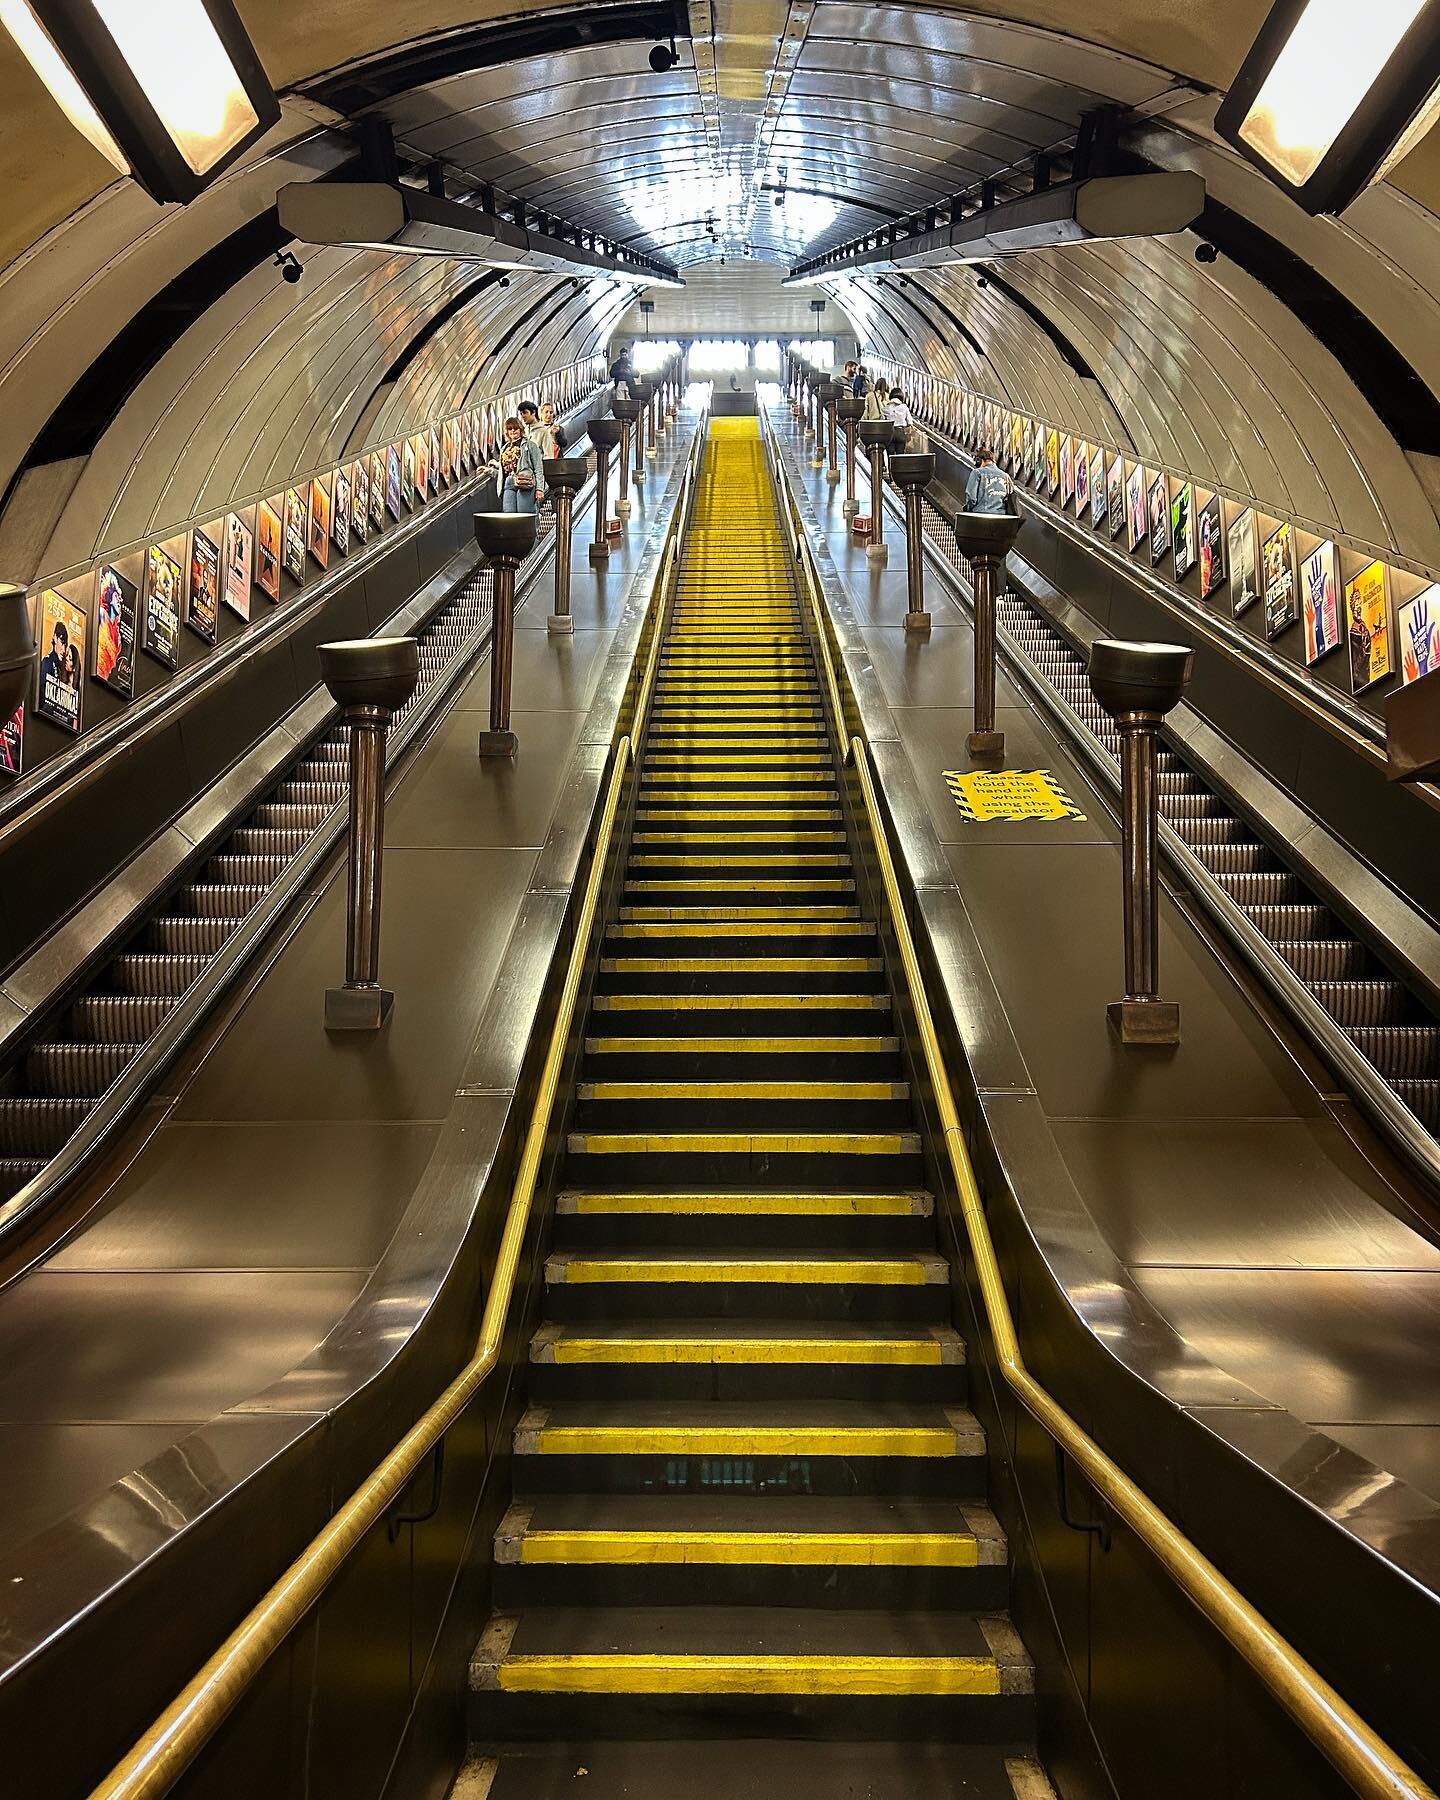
pixel 173 93
pixel 1333 93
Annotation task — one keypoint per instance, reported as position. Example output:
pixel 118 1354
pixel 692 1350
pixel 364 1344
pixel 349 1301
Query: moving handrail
pixel 1358 1753
pixel 172 1743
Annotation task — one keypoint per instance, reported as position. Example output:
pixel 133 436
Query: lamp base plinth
pixel 918 621
pixel 560 624
pixel 622 509
pixel 986 743
pixel 832 474
pixel 652 452
pixel 1141 1022
pixel 878 553
pixel 850 509
pixel 817 462
pixel 357 1008
pixel 498 743
pixel 599 553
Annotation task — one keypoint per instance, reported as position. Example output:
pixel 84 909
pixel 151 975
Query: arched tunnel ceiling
pixel 867 109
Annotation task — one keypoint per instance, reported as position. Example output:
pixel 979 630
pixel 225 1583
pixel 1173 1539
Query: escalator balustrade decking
pixel 748 1493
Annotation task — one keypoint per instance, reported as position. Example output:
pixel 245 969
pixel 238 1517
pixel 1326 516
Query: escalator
pixel 748 1550
pixel 49 1091
pixel 1386 1021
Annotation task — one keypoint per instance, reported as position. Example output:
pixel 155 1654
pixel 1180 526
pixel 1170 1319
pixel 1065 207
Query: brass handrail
pixel 176 1738
pixel 1357 1752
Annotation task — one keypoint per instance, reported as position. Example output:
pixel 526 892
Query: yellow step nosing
pixel 746 1143
pixel 743 1090
pixel 741 1046
pixel 741 1002
pixel 837 1549
pixel 697 1351
pixel 755 1674
pixel 588 1268
pixel 902 1203
pixel 927 1442
pixel 742 965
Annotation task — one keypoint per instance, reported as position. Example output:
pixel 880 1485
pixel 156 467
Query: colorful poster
pixel 1320 599
pixel 297 517
pixel 1159 507
pixel 1212 547
pixel 12 743
pixel 340 513
pixel 1067 469
pixel 447 451
pixel 267 550
pixel 1136 515
pixel 360 500
pixel 1418 623
pixel 394 484
pixel 115 620
pixel 433 463
pixel 1277 564
pixel 239 565
pixel 422 468
pixel 1097 486
pixel 1082 480
pixel 1182 529
pixel 319 539
pixel 407 478
pixel 1052 459
pixel 1017 442
pixel 202 612
pixel 163 581
pixel 1115 495
pixel 1367 612
pixel 62 641
pixel 1244 546
pixel 377 489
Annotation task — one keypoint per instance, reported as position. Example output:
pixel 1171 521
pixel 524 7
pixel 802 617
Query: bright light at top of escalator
pixel 649 353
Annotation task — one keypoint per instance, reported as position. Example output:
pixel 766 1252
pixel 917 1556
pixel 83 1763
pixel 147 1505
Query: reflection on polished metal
pixel 819 401
pixel 983 539
pixel 877 435
pixel 506 539
pixel 832 400
pixel 605 434
pixel 851 411
pixel 640 391
pixel 656 414
pixel 1138 684
pixel 913 471
pixel 626 411
pixel 564 477
pixel 17 650
pixel 370 679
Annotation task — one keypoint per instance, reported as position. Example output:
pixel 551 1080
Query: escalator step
pixel 34 1125
pixel 1235 859
pixel 141 973
pixel 120 1018
pixel 211 901
pixel 1352 1003
pixel 1400 1051
pixel 288 815
pixel 246 871
pixel 1325 959
pixel 76 1071
pixel 1288 924
pixel 1261 887
pixel 1423 1099
pixel 268 840
pixel 15 1171
pixel 1212 831
pixel 190 936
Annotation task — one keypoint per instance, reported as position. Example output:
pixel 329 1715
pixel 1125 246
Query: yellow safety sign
pixel 1012 794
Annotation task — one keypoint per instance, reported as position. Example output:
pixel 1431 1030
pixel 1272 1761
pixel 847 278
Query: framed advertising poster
pixel 378 461
pixel 319 538
pixel 1212 547
pixel 407 473
pixel 1082 480
pixel 62 642
pixel 394 482
pixel 1097 486
pixel 1320 601
pixel 1067 469
pixel 1017 442
pixel 163 582
pixel 297 516
pixel 1277 567
pixel 1115 495
pixel 422 468
pixel 1052 459
pixel 448 456
pixel 1182 529
pixel 340 513
pixel 1159 508
pixel 1243 542
pixel 267 550
pixel 239 565
pixel 202 610
pixel 359 501
pixel 115 621
pixel 1136 515
pixel 433 463
pixel 1367 614
pixel 1418 621
pixel 12 743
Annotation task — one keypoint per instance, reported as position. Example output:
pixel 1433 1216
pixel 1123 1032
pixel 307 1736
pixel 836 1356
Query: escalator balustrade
pixel 749 1499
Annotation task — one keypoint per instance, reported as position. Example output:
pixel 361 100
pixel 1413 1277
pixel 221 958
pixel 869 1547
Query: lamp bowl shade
pixel 371 671
pixel 505 534
pixel 981 535
pixel 605 434
pixel 1139 677
pixel 913 468
pixel 564 472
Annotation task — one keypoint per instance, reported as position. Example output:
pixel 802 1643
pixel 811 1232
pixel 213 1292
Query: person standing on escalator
pixel 989 489
pixel 522 474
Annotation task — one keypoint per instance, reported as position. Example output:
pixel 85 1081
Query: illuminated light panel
pixel 187 76
pixel 36 47
pixel 1333 93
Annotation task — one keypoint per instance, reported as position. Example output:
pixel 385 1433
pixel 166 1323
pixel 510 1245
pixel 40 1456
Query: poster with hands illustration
pixel 1420 635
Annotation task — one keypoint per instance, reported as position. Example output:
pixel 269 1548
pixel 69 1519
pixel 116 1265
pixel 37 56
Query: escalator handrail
pixel 172 1743
pixel 1373 1769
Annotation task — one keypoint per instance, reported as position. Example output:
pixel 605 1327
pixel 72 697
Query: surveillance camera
pixel 504 281
pixel 982 281
pixel 1206 253
pixel 664 57
pixel 292 273
pixel 289 265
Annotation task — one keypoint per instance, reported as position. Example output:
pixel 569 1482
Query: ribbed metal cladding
pixel 216 902
pixel 1362 1002
pixel 123 1018
pixel 189 936
pixel 158 974
pixel 77 1070
pixel 1325 959
pixel 1400 1050
pixel 37 1126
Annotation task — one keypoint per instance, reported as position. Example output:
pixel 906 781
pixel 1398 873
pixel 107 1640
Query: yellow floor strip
pixel 925 1441
pixel 741 1046
pixel 744 1090
pixel 759 1674
pixel 921 1269
pixel 806 1549
pixel 740 965
pixel 742 1002
pixel 878 1352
